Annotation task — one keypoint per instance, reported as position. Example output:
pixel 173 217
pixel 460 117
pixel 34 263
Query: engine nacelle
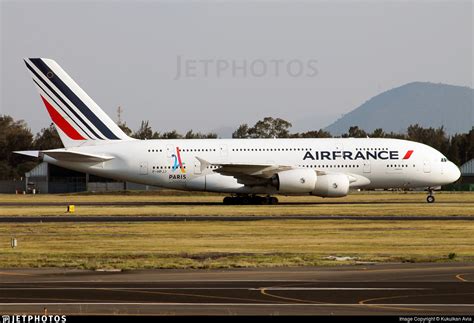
pixel 331 185
pixel 295 181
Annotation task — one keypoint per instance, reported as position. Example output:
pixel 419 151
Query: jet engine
pixel 331 185
pixel 295 181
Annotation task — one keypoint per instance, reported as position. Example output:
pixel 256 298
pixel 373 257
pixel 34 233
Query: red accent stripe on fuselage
pixel 179 160
pixel 61 122
pixel 408 154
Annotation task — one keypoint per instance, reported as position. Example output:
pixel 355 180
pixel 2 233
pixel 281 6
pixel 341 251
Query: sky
pixel 213 65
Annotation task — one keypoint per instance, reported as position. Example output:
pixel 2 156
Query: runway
pixel 178 218
pixel 398 289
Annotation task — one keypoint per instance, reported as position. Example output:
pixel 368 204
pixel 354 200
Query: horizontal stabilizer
pixel 29 153
pixel 73 156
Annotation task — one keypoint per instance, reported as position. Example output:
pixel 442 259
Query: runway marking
pixel 336 288
pixel 131 288
pixel 14 274
pixel 407 296
pixel 234 304
pixel 169 281
pixel 383 306
pixel 263 292
pixel 142 291
pixel 364 302
pixel 412 279
pixel 459 276
pixel 212 288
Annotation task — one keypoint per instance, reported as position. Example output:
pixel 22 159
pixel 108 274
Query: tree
pixel 469 145
pixel 355 132
pixel 14 135
pixel 6 171
pixel 192 135
pixel 396 135
pixel 171 135
pixel 270 128
pixel 455 148
pixel 266 128
pixel 241 132
pixel 461 148
pixel 144 132
pixel 312 134
pixel 378 133
pixel 125 128
pixel 435 138
pixel 47 138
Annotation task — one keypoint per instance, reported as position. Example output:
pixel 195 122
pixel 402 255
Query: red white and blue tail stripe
pixel 78 119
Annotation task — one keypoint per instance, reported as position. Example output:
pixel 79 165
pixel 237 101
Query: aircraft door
pixel 426 166
pixel 224 152
pixel 197 167
pixel 367 168
pixel 143 168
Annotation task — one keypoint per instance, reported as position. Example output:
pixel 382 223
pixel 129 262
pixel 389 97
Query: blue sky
pixel 332 56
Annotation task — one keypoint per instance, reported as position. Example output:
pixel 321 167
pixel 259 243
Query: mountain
pixel 428 104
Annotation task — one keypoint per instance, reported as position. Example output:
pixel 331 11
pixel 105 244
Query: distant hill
pixel 428 104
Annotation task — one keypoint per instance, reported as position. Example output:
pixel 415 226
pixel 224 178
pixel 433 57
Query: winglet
pixel 204 163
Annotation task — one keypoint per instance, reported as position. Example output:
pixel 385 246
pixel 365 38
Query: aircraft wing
pixel 260 174
pixel 247 174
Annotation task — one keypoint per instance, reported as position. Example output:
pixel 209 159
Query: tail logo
pixel 177 161
pixel 85 119
pixel 61 122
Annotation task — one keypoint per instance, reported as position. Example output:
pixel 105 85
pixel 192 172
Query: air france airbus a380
pixel 250 170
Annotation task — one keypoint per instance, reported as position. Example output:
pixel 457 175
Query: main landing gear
pixel 430 198
pixel 250 200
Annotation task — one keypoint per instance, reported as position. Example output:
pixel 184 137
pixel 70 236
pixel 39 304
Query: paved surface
pixel 399 289
pixel 164 218
pixel 197 203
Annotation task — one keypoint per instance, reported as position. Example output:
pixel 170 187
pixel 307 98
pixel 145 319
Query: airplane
pixel 251 171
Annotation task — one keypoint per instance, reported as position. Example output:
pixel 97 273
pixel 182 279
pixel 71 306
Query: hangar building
pixel 48 178
pixel 467 174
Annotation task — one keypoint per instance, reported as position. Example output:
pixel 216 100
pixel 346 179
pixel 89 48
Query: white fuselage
pixel 373 163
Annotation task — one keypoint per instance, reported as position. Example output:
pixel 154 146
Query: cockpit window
pixel 444 160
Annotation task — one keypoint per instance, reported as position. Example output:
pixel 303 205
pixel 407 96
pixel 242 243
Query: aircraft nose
pixel 454 173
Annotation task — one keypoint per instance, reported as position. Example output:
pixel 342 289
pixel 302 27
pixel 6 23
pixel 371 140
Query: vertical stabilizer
pixel 78 119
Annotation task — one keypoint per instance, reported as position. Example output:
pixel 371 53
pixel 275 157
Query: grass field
pixel 236 244
pixel 232 244
pixel 359 204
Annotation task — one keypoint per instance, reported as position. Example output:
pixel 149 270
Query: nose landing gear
pixel 430 198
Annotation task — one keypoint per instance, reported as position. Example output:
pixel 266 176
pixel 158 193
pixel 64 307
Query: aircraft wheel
pixel 430 199
pixel 245 200
pixel 250 200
